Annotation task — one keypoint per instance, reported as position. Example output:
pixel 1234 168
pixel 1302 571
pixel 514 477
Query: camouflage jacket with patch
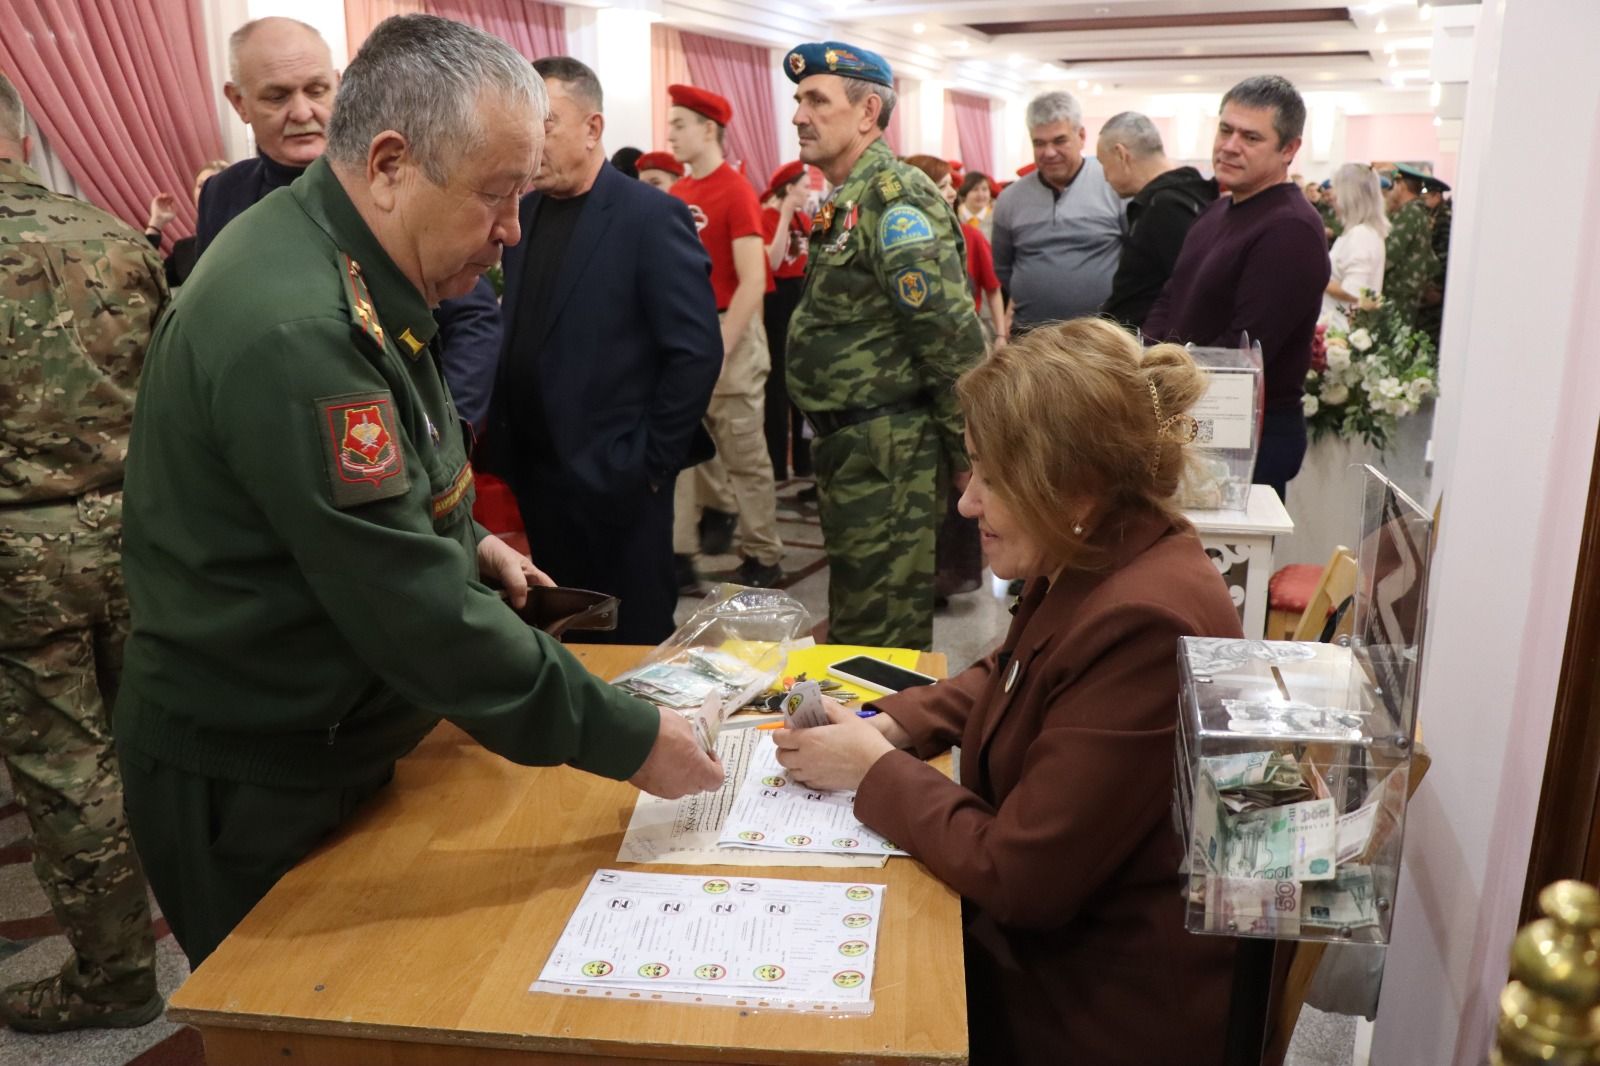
pixel 1409 262
pixel 79 295
pixel 1442 216
pixel 886 315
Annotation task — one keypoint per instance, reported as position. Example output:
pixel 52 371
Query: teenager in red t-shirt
pixel 728 216
pixel 787 230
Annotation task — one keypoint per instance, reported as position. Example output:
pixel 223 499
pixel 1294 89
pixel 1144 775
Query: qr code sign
pixel 1206 427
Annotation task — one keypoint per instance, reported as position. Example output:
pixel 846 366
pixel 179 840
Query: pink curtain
pixel 535 29
pixel 892 134
pixel 361 15
pixel 668 66
pixel 974 130
pixel 532 28
pixel 123 92
pixel 743 74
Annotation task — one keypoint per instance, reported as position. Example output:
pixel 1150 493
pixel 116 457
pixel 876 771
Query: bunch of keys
pixel 774 701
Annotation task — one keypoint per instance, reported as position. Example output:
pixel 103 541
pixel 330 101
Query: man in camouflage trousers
pixel 1409 262
pixel 884 326
pixel 79 295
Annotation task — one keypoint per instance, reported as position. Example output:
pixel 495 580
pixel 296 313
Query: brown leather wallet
pixel 556 610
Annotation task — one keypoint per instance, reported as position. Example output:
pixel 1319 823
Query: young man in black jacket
pixel 1166 201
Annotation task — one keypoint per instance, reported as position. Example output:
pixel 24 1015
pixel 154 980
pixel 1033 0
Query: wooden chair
pixel 1301 603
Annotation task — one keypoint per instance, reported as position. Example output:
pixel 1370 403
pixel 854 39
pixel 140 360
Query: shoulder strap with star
pixel 363 315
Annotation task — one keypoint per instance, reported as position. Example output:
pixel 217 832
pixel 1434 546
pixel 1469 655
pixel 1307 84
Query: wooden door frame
pixel 1566 834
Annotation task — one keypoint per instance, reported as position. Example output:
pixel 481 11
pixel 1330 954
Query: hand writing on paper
pixel 677 766
pixel 835 756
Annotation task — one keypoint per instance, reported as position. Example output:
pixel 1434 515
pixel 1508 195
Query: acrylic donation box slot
pixel 1227 429
pixel 1293 758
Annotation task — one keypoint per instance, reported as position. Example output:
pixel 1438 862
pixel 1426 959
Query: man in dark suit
pixel 281 83
pixel 611 351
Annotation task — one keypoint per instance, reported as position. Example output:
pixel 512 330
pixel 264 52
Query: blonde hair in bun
pixel 1077 411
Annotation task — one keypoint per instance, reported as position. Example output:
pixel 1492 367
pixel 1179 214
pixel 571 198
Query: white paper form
pixel 774 812
pixel 685 831
pixel 1226 412
pixel 761 942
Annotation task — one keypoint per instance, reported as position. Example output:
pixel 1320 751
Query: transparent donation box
pixel 1228 429
pixel 1294 758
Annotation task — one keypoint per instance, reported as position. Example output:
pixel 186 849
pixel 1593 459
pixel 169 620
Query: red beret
pixel 658 161
pixel 955 165
pixel 1026 169
pixel 701 102
pixel 783 176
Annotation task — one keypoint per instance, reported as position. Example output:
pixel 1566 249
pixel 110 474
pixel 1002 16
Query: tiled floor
pixel 30 947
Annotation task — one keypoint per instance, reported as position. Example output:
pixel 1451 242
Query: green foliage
pixel 1376 370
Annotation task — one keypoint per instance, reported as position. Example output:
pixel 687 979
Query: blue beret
pixel 836 57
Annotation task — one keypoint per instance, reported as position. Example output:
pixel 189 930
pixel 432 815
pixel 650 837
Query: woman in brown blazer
pixel 1059 835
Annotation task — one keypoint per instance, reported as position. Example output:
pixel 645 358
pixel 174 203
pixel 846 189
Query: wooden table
pixel 1240 546
pixel 413 936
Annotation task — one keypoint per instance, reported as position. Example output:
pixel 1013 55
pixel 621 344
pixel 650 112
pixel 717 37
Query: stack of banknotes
pixel 1271 854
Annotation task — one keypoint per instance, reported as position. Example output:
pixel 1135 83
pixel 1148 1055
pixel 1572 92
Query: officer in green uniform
pixel 79 296
pixel 1409 262
pixel 1439 210
pixel 300 552
pixel 1330 215
pixel 884 326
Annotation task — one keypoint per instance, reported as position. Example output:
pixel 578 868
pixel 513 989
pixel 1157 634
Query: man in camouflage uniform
pixel 1409 262
pixel 79 295
pixel 1330 216
pixel 884 326
pixel 1439 210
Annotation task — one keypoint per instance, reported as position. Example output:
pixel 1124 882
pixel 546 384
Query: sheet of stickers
pixel 729 941
pixel 772 811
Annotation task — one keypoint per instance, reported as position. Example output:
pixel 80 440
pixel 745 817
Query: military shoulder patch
pixel 366 459
pixel 911 287
pixel 903 225
pixel 889 186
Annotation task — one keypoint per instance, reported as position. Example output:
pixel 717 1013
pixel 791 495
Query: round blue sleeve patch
pixel 903 225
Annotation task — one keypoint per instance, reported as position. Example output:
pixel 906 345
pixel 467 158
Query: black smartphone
pixel 877 675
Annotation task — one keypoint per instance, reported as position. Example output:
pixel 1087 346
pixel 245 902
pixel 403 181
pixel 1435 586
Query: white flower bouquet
pixel 1366 377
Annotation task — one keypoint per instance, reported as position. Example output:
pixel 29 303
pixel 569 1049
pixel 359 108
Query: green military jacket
pixel 1441 216
pixel 886 315
pixel 1409 262
pixel 79 295
pixel 299 549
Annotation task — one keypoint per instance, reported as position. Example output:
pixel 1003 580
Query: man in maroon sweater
pixel 1255 262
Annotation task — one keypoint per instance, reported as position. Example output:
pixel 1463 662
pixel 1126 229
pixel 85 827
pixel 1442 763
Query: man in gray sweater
pixel 1058 232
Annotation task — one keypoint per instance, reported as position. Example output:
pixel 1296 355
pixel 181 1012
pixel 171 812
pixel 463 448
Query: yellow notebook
pixel 814 663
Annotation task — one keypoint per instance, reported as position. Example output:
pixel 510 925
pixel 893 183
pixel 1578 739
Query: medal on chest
pixel 852 215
